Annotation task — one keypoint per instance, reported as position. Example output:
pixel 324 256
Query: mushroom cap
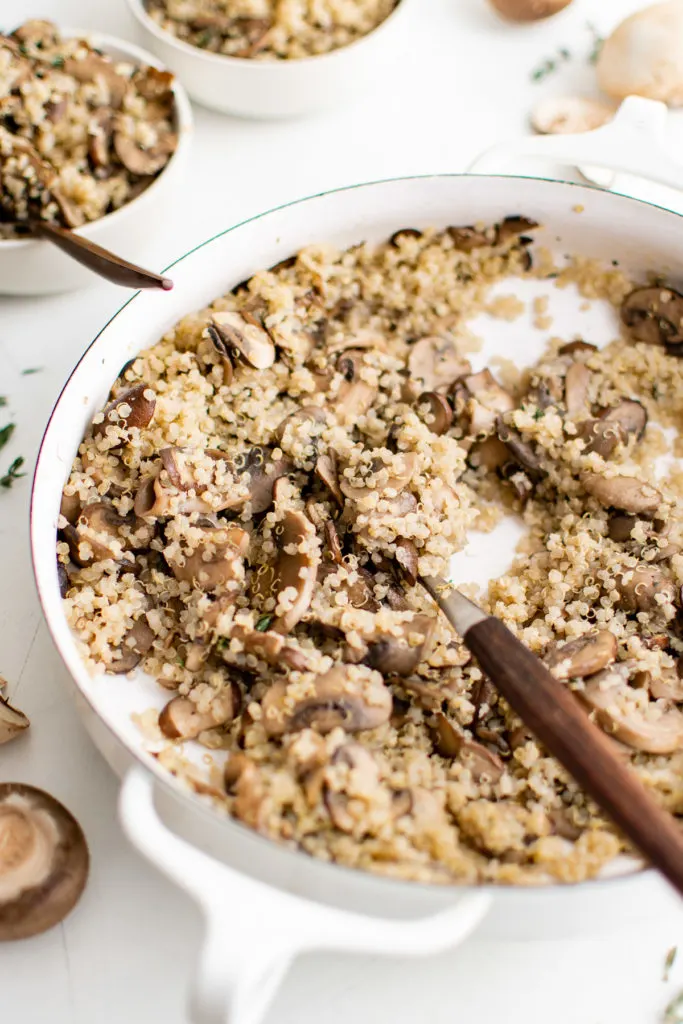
pixel 565 115
pixel 654 315
pixel 131 408
pixel 296 568
pixel 434 363
pixel 44 861
pixel 216 562
pixel 576 384
pixel 622 713
pixel 529 10
pixel 12 721
pixel 625 493
pixel 242 332
pixel 585 656
pixel 644 56
pixel 349 697
pixel 181 720
pixel 435 410
pixel 393 654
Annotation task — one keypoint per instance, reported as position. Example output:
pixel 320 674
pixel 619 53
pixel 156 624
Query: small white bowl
pixel 278 88
pixel 36 267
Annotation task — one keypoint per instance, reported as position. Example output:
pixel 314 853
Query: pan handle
pixel 254 931
pixel 634 142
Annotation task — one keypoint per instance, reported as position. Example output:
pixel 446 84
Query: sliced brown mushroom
pixel 576 384
pixel 332 543
pixel 666 686
pixel 12 721
pixel 144 162
pixel 570 348
pixel 181 719
pixel 645 589
pixel 305 416
pixel 355 396
pixel 137 642
pixel 485 402
pixel 467 238
pixel 630 415
pixel 362 778
pixel 98 534
pixel 99 139
pixel 602 437
pixel 407 560
pixel 154 85
pixel 620 527
pixel 91 67
pixel 132 408
pixel 223 351
pixel 242 780
pixel 625 493
pixel 296 569
pixel 515 225
pixel 400 651
pixel 490 454
pixel 584 656
pixel 654 315
pixel 434 363
pixel 395 239
pixel 435 411
pixel 349 697
pixel 482 763
pixel 271 647
pixel 44 861
pixel 520 452
pixel 244 334
pixel 621 714
pixel 216 562
pixel 327 473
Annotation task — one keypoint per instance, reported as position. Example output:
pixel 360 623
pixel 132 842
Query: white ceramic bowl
pixel 36 267
pixel 279 88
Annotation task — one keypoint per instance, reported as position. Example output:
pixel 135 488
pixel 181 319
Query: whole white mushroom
pixel 644 55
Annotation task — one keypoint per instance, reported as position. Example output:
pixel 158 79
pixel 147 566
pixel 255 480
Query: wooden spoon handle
pixel 99 260
pixel 556 718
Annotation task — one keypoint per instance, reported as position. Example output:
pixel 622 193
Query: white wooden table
pixel 124 955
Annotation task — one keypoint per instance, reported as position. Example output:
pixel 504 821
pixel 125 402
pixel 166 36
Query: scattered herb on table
pixel 30 370
pixel 598 43
pixel 263 623
pixel 670 961
pixel 6 433
pixel 674 1011
pixel 550 65
pixel 3 401
pixel 12 473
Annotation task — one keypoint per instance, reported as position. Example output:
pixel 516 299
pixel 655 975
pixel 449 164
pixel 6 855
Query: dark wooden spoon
pixel 113 268
pixel 555 717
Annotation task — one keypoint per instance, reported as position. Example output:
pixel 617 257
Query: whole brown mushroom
pixel 529 10
pixel 44 861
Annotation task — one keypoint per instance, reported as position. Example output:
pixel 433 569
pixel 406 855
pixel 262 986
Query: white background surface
pixel 124 955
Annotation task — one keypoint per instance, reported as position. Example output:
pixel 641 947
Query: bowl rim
pixel 185 127
pixel 139 11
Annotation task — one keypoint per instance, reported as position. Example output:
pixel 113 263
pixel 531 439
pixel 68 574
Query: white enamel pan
pixel 235 875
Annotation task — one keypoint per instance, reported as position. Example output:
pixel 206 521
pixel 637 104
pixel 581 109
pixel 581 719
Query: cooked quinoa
pixel 270 29
pixel 80 133
pixel 247 519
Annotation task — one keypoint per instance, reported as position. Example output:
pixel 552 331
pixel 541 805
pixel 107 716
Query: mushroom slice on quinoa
pixel 99 533
pixel 355 396
pixel 399 649
pixel 602 437
pixel 576 385
pixel 181 719
pixel 352 779
pixel 435 410
pixel 629 716
pixel 12 721
pixel 519 451
pixel 243 781
pixel 216 559
pixel 136 643
pixel 243 333
pixel 350 697
pixel 467 238
pixel 92 67
pixel 144 161
pixel 296 570
pixel 271 647
pixel 309 416
pixel 482 763
pixel 434 363
pixel 625 493
pixel 485 401
pixel 381 477
pixel 629 414
pixel 655 315
pixel 131 408
pixel 407 560
pixel 667 685
pixel 645 589
pixel 513 226
pixel 44 861
pixel 326 471
pixel 584 656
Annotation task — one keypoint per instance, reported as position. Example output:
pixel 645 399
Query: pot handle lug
pixel 633 142
pixel 254 930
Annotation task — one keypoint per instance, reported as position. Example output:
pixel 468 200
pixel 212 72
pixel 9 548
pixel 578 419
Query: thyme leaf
pixel 12 473
pixel 3 401
pixel 30 370
pixel 6 433
pixel 669 962
pixel 674 1011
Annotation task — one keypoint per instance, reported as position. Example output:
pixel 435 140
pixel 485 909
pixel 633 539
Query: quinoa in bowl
pixel 247 519
pixel 81 134
pixel 267 29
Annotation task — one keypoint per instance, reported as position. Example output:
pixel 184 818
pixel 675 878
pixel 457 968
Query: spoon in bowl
pixel 555 717
pixel 24 167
